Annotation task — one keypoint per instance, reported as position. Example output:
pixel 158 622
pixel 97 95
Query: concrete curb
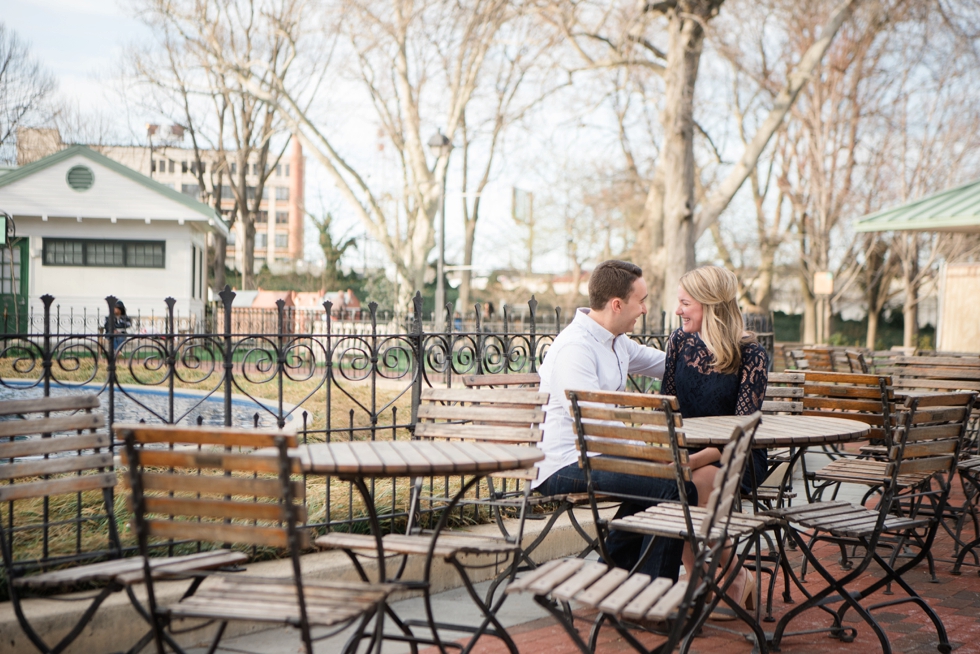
pixel 117 626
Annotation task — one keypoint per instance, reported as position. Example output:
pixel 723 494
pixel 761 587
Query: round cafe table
pixel 777 431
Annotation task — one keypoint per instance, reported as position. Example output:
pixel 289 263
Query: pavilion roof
pixel 954 210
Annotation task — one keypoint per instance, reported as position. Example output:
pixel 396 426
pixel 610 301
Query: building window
pixel 153 165
pixel 282 193
pixel 262 216
pixel 169 185
pixel 255 169
pixel 192 190
pixel 103 253
pixel 278 170
pixel 282 217
pixel 163 166
pixel 261 241
pixel 226 192
pixel 183 166
pixel 8 286
pixel 234 168
pixel 232 237
pixel 282 240
pixel 287 170
pixel 171 166
pixel 250 193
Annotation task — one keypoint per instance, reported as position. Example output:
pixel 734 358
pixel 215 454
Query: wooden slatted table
pixel 358 461
pixel 777 431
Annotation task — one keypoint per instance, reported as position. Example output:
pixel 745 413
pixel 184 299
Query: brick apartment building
pixel 278 224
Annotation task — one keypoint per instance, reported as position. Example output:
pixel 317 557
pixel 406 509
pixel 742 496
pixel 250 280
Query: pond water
pixel 211 410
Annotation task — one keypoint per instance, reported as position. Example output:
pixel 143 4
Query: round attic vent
pixel 80 178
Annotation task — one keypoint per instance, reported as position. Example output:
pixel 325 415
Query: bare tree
pixel 398 47
pixel 221 116
pixel 624 35
pixel 25 85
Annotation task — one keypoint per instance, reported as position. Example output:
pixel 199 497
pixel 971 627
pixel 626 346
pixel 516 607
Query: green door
pixel 13 287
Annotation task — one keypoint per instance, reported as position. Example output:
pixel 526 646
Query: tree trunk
pixel 218 253
pixel 248 252
pixel 651 239
pixel 910 308
pixel 767 263
pixel 464 285
pixel 872 329
pixel 809 312
pixel 683 57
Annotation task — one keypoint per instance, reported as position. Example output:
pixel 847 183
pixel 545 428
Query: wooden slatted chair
pixel 480 415
pixel 866 398
pixel 549 507
pixel 857 362
pixel 59 465
pixel 784 396
pixel 213 485
pixel 928 442
pixel 649 441
pixel 820 358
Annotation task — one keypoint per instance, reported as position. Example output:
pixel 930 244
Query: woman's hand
pixel 705 457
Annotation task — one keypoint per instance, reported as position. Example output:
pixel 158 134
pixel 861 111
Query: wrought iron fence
pixel 327 382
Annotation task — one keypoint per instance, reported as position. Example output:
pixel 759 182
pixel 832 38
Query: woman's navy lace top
pixel 702 391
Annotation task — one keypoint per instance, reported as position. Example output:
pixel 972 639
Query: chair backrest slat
pixel 623 415
pixel 217 485
pixel 42 446
pixel 633 451
pixel 505 395
pixel 79 421
pixel 219 436
pixel 481 413
pixel 55 466
pixel 53 487
pixel 633 466
pixel 49 404
pixel 466 431
pixel 219 509
pixel 211 460
pixel 641 433
pixel 220 533
pixel 502 380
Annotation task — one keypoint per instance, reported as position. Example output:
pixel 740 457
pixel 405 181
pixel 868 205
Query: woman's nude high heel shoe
pixel 749 599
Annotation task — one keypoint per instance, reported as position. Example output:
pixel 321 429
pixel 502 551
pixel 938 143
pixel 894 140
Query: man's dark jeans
pixel 625 548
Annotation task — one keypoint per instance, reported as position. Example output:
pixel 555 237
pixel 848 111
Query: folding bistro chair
pixel 540 507
pixel 214 486
pixel 60 467
pixel 867 398
pixel 928 442
pixel 489 416
pixel 649 443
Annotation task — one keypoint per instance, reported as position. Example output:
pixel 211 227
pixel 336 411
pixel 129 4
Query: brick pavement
pixel 955 598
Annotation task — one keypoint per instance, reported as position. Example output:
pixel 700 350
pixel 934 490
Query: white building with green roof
pixel 88 227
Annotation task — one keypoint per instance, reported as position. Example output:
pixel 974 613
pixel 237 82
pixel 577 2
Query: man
pixel 594 353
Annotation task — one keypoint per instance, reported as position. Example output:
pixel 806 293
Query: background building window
pixel 183 166
pixel 103 253
pixel 282 193
pixel 232 237
pixel 262 216
pixel 192 190
pixel 282 240
pixel 282 217
pixel 171 166
pixel 226 193
pixel 234 168
pixel 287 170
pixel 261 241
pixel 278 170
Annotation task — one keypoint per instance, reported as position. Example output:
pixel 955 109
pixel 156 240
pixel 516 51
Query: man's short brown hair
pixel 612 279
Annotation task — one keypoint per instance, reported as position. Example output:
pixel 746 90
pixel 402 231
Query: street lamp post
pixel 441 146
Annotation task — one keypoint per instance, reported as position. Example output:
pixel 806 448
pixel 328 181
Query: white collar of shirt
pixel 602 335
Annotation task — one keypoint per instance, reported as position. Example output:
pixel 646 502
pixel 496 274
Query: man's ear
pixel 616 304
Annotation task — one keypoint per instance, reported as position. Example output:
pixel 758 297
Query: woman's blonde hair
pixel 722 325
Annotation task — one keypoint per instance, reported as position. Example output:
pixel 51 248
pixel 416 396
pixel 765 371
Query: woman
pixel 120 323
pixel 715 368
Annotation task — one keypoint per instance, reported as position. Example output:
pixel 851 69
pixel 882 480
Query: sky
pixel 81 43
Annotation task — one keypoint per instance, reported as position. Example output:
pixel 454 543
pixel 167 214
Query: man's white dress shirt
pixel 585 357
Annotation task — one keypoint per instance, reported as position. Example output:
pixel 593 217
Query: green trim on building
pixel 955 210
pixel 101 159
